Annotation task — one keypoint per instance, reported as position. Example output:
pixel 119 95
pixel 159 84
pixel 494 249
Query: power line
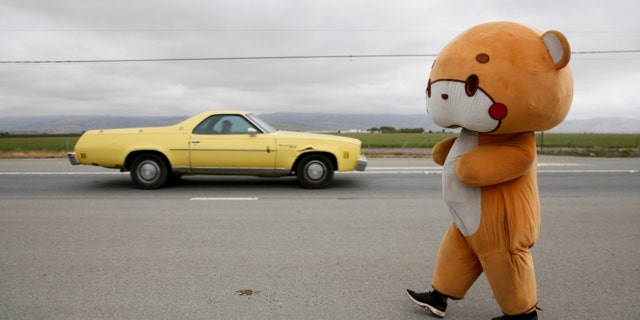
pixel 364 56
pixel 227 58
pixel 349 30
pixel 116 30
pixel 605 51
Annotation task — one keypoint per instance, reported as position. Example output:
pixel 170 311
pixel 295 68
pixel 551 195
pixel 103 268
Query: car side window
pixel 232 124
pixel 224 124
pixel 206 126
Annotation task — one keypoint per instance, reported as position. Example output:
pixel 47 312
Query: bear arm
pixel 441 150
pixel 492 164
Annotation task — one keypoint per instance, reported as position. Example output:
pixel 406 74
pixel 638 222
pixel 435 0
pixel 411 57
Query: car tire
pixel 149 171
pixel 315 172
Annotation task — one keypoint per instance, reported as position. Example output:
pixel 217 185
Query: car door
pixel 231 144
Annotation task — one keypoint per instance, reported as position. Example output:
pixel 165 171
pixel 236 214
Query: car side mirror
pixel 252 131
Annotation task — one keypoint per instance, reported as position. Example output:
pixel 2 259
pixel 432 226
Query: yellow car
pixel 219 143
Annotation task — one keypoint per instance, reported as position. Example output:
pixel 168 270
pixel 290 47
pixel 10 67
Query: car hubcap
pixel 149 171
pixel 315 170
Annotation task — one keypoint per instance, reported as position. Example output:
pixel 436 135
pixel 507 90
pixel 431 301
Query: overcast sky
pixel 53 30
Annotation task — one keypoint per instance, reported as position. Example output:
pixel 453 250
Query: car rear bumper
pixel 362 163
pixel 72 158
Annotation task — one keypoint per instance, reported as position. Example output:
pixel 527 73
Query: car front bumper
pixel 72 158
pixel 362 163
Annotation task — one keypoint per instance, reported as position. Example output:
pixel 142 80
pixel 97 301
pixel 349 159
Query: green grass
pixel 552 140
pixel 586 140
pixel 37 143
pixel 581 144
pixel 399 140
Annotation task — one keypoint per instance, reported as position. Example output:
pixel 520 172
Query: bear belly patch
pixel 462 200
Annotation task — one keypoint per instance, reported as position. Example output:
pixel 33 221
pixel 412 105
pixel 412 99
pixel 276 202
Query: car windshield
pixel 266 128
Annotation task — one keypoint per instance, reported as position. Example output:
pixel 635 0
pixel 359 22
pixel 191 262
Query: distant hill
pixel 288 121
pixel 343 122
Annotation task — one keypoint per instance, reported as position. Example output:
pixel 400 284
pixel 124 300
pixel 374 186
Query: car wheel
pixel 149 171
pixel 315 172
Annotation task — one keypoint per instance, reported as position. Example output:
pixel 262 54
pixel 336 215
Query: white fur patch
pixel 462 200
pixel 450 106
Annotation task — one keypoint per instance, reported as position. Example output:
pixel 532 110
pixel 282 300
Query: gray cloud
pixel 605 84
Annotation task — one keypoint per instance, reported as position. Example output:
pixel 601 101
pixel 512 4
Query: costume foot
pixel 524 316
pixel 432 301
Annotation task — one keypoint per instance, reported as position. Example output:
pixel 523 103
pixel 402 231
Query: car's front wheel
pixel 315 172
pixel 149 171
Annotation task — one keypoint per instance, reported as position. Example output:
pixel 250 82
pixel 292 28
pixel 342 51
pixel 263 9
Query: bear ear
pixel 558 47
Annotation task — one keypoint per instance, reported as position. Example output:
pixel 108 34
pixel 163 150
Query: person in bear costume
pixel 499 82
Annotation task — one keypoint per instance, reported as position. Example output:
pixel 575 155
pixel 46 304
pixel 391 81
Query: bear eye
pixel 429 88
pixel 482 58
pixel 471 85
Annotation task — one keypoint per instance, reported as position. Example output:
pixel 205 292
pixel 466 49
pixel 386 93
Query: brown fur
pixel 514 68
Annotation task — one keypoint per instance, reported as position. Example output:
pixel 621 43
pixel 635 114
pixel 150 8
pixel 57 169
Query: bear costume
pixel 499 82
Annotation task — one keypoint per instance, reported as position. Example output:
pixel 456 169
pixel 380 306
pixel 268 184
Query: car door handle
pixel 195 141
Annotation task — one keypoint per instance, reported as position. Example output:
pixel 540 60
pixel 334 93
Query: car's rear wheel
pixel 315 172
pixel 149 171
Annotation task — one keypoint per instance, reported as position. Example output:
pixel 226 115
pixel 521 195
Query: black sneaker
pixel 433 301
pixel 524 316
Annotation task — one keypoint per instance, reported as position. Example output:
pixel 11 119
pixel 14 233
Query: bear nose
pixel 445 96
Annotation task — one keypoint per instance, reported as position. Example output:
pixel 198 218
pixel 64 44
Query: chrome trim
pixel 238 150
pixel 72 158
pixel 362 163
pixel 274 172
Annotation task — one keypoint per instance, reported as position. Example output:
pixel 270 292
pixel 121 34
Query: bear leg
pixel 457 267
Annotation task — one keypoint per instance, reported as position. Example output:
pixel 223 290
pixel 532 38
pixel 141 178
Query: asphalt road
pixel 84 243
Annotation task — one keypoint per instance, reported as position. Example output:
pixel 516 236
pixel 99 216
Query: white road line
pixel 589 171
pixel 557 164
pixel 393 172
pixel 223 199
pixel 539 171
pixel 403 168
pixel 62 173
pixel 379 170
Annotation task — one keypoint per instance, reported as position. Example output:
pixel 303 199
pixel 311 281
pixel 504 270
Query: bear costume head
pixel 500 78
